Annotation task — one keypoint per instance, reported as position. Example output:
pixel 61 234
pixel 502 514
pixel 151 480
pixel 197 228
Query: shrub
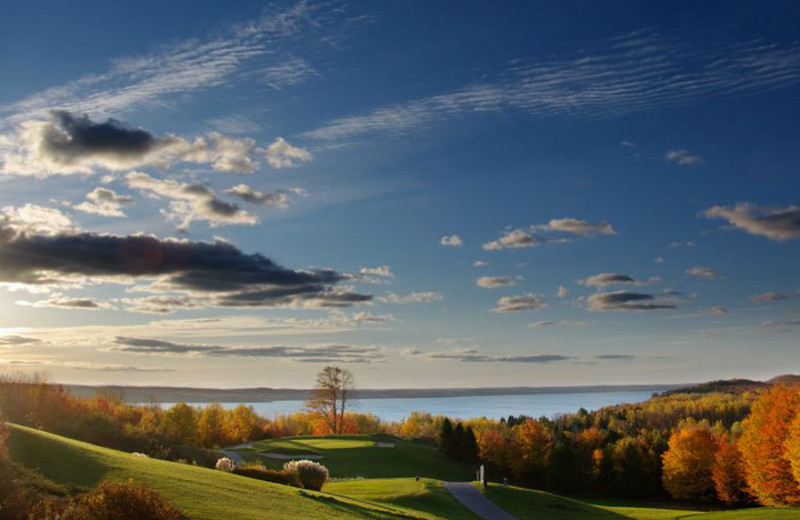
pixel 225 464
pixel 310 474
pixel 258 471
pixel 106 502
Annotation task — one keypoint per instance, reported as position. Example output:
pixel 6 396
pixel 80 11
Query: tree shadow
pixel 55 459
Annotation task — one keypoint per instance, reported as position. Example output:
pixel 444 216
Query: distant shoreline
pixel 143 394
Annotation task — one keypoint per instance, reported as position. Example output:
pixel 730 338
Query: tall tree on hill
pixel 458 441
pixel 331 396
pixel 469 446
pixel 445 439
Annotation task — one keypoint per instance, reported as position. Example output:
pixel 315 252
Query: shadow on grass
pixel 367 510
pixel 56 461
pixel 527 504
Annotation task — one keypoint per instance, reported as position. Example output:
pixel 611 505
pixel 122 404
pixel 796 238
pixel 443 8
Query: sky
pixel 431 194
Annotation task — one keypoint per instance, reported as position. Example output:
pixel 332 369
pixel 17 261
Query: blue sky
pixel 470 194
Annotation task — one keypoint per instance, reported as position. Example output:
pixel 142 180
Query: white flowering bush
pixel 139 454
pixel 225 464
pixel 310 474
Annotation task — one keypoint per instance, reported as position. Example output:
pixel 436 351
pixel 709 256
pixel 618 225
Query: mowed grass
pixel 426 496
pixel 300 445
pixel 353 456
pixel 200 493
pixel 527 504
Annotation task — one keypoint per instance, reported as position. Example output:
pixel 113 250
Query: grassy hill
pixel 354 456
pixel 426 497
pixel 201 493
pixel 527 504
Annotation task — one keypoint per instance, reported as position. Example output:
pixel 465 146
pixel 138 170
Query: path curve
pixel 472 499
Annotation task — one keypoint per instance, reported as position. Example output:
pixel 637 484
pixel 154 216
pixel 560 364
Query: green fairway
pixel 295 445
pixel 201 493
pixel 354 456
pixel 426 496
pixel 527 504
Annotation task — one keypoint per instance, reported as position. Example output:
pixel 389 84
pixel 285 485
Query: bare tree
pixel 331 395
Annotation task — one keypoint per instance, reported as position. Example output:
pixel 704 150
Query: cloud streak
pixel 636 72
pixel 775 223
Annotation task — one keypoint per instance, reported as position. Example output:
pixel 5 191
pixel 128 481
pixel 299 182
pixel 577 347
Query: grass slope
pixel 426 496
pixel 353 456
pixel 201 493
pixel 528 504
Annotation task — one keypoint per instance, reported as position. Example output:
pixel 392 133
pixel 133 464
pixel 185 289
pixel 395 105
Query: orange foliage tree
pixel 689 464
pixel 767 470
pixel 533 444
pixel 729 474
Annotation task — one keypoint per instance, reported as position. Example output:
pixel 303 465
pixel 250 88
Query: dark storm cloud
pixel 233 277
pixel 627 301
pixel 73 138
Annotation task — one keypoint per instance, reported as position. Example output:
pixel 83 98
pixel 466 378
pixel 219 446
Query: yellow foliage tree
pixel 689 464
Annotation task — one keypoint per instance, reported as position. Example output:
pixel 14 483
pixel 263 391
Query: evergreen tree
pixel 470 450
pixel 563 472
pixel 458 442
pixel 445 437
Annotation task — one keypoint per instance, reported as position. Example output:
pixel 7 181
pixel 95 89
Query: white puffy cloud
pixel 190 202
pixel 280 154
pixel 702 272
pixel 562 291
pixel 606 279
pixel 775 223
pixel 515 239
pixel 384 271
pixel 277 199
pixel 769 297
pixel 493 282
pixel 452 240
pixel 577 227
pixel 105 202
pixel 629 301
pixel 414 297
pixel 521 302
pixel 683 157
pixel 67 143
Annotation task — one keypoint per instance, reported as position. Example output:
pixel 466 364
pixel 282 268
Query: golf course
pixel 367 482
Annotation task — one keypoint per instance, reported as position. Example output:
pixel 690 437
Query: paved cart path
pixel 474 500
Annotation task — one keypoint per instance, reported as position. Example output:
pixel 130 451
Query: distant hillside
pixel 168 394
pixel 735 385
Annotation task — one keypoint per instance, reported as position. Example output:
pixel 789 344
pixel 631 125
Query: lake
pixel 464 407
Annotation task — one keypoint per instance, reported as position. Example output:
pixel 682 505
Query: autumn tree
pixel 533 443
pixel 210 426
pixel 331 396
pixel 793 447
pixel 689 464
pixel 767 470
pixel 180 424
pixel 728 474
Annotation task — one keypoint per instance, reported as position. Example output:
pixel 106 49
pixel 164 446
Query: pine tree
pixel 458 442
pixel 445 438
pixel 470 449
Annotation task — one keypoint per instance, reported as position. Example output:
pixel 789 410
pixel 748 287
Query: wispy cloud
pixel 451 240
pixel 414 297
pixel 683 157
pixel 493 282
pixel 635 72
pixel 151 80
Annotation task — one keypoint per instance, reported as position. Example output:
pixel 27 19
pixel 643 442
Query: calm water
pixel 494 406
